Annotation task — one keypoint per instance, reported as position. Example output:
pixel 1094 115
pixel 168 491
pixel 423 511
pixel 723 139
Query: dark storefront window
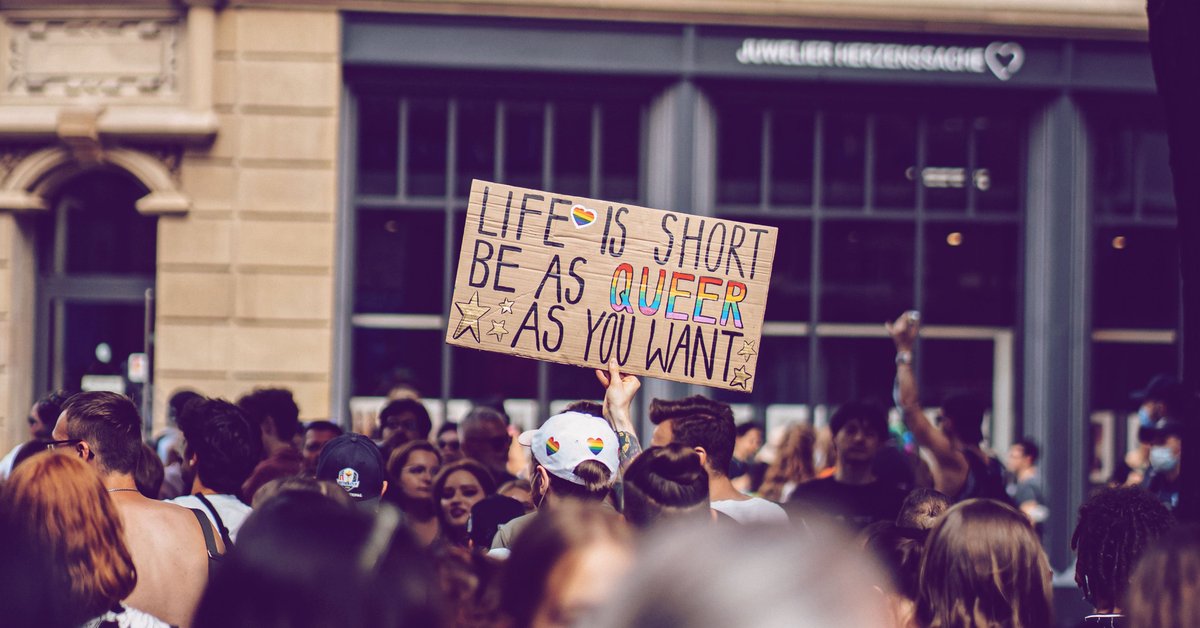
pixel 417 154
pixel 1135 251
pixel 1136 256
pixel 867 270
pixel 1132 173
pixel 399 269
pixel 96 262
pixel 1135 272
pixel 1136 277
pixel 878 211
pixel 970 275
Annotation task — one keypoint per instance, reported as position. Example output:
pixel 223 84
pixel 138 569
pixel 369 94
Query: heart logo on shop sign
pixel 582 216
pixel 1004 59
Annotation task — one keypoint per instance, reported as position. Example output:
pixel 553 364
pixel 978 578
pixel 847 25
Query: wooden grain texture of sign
pixel 581 281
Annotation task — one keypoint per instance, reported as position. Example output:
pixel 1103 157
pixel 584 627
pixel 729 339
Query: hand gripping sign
pixel 581 281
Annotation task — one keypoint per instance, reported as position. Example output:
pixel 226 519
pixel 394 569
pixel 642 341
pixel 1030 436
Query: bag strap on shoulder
pixel 210 541
pixel 216 517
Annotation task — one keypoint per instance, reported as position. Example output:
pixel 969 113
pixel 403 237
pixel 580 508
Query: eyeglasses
pixel 55 444
pixel 452 445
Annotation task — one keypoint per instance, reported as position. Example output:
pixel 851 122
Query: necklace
pixel 117 490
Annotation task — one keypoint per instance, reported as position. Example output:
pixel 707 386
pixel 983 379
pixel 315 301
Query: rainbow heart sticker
pixel 582 216
pixel 551 446
pixel 596 446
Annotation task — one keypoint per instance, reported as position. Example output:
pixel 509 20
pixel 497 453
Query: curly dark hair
pixel 872 416
pixel 1115 527
pixel 50 406
pixel 275 405
pixel 226 443
pixel 409 413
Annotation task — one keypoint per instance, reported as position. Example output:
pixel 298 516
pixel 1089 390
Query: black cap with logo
pixel 355 464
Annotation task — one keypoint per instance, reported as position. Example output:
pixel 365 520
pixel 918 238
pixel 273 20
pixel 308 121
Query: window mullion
pixel 448 242
pixel 594 176
pixel 402 152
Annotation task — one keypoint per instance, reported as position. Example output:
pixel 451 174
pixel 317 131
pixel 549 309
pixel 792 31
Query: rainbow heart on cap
pixel 582 216
pixel 595 445
pixel 551 446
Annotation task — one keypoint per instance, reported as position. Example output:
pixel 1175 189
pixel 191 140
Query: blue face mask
pixel 1163 459
pixel 1144 417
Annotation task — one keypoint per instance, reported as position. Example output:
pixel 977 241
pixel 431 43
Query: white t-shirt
pixel 233 512
pixel 6 464
pixel 753 510
pixel 128 618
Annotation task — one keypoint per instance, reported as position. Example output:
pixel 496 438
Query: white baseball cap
pixel 567 439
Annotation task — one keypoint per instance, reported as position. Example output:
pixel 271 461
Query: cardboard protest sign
pixel 579 281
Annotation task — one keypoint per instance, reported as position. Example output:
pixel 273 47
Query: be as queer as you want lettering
pixel 582 281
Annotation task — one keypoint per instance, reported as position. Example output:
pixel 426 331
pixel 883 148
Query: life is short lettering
pixel 583 281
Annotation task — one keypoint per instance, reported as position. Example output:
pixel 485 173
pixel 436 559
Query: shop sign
pixel 1002 59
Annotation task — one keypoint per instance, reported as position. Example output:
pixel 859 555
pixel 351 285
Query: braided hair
pixel 1115 527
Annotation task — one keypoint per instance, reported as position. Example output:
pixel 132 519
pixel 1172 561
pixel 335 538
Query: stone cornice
pixel 1087 19
pixel 114 124
pixel 159 89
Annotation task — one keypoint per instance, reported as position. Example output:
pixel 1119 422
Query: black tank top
pixel 985 479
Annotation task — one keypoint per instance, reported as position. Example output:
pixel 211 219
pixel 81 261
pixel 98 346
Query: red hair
pixel 62 506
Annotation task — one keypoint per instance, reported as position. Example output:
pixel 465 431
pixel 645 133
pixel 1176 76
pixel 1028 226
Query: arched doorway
pixel 96 258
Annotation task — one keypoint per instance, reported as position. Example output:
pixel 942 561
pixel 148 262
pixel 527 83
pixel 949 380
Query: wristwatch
pixel 904 358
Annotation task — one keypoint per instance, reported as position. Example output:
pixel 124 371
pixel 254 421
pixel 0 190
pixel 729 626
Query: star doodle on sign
pixel 471 312
pixel 506 306
pixel 747 351
pixel 498 330
pixel 740 377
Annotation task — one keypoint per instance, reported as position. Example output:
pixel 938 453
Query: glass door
pixel 96 258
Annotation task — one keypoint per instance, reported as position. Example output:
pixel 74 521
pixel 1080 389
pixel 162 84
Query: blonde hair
pixel 61 505
pixel 984 566
pixel 794 462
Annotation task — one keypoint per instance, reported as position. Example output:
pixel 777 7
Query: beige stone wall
pixel 16 318
pixel 245 279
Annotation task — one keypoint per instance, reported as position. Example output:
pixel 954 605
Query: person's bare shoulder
pixel 154 508
pixel 177 521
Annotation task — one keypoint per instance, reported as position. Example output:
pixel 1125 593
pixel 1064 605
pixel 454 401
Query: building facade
pixel 289 185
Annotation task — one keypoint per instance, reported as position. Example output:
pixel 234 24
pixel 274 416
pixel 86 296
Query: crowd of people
pixel 241 515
